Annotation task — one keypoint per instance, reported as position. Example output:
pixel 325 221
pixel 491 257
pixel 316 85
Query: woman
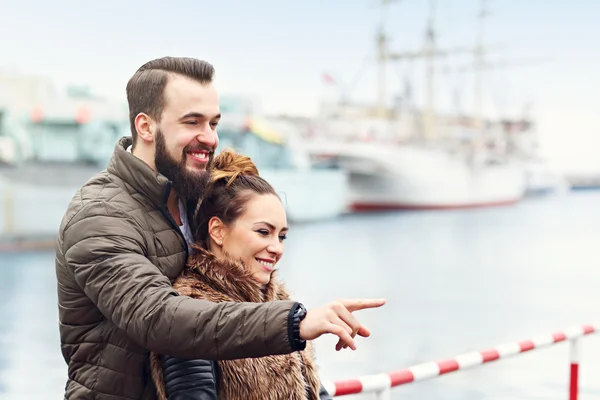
pixel 240 228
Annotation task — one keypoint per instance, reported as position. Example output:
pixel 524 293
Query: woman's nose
pixel 276 248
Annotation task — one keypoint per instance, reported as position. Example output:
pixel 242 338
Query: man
pixel 124 238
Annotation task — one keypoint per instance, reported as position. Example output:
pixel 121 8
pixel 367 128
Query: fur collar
pixel 290 376
pixel 228 277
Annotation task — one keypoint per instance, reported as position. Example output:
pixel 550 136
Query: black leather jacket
pixel 197 379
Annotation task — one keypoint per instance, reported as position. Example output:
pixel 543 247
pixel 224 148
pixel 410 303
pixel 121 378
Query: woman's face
pixel 256 237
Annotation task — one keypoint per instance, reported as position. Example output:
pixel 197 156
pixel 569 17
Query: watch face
pixel 302 311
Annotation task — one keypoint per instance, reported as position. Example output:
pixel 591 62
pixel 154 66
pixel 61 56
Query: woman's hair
pixel 234 179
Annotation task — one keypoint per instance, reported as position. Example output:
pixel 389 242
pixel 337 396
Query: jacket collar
pixel 136 173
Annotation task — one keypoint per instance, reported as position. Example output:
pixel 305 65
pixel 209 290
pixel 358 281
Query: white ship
pixel 430 164
pixel 418 178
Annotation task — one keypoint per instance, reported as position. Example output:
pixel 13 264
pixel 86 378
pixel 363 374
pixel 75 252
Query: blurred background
pixel 441 154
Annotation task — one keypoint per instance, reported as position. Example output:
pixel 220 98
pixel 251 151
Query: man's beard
pixel 188 185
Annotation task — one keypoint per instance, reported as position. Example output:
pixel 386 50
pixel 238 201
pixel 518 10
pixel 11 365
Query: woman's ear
pixel 216 230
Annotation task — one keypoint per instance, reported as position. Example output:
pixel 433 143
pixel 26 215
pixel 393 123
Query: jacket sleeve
pixel 105 250
pixel 189 379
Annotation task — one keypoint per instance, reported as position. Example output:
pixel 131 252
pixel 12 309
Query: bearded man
pixel 124 238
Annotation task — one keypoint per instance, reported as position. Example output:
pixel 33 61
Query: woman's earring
pixel 220 243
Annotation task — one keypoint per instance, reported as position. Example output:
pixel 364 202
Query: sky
pixel 545 52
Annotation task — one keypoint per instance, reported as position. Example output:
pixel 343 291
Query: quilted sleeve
pixel 105 251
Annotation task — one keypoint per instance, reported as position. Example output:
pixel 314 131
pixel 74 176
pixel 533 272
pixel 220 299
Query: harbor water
pixel 454 281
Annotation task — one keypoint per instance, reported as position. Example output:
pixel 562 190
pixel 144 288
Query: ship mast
pixel 428 52
pixel 479 65
pixel 382 59
pixel 429 115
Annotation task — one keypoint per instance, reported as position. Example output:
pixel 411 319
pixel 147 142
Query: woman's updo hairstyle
pixel 234 179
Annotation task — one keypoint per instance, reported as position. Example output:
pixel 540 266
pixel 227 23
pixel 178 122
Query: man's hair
pixel 145 89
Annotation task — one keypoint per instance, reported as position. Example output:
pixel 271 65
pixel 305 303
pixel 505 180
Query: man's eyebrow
pixel 194 114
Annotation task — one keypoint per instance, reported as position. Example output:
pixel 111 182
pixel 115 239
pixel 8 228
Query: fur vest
pixel 290 376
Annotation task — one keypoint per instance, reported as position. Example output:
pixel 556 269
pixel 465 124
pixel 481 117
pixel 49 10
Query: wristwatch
pixel 298 313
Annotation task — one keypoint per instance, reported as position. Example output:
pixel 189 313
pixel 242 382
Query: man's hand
pixel 337 318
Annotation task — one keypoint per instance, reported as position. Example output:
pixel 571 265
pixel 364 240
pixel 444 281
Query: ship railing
pixel 382 384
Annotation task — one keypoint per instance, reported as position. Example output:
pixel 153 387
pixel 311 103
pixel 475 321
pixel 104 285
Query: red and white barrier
pixel 381 383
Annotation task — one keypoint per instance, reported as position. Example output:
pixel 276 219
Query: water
pixel 455 281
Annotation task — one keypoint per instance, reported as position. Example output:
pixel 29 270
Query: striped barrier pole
pixel 574 373
pixel 380 384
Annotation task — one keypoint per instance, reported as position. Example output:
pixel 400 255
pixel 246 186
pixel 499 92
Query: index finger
pixel 360 304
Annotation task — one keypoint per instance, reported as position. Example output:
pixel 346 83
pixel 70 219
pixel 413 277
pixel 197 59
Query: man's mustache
pixel 197 149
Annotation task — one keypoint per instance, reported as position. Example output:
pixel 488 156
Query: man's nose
pixel 209 137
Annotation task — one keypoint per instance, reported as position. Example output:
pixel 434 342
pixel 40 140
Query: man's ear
pixel 144 127
pixel 216 230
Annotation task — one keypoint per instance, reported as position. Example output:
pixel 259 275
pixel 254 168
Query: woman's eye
pixel 282 237
pixel 263 232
